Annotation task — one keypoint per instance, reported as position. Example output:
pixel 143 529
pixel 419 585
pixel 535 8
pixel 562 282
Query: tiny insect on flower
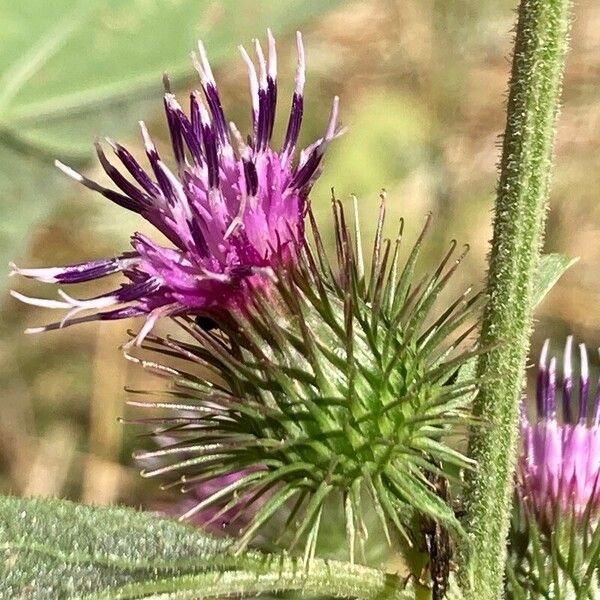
pixel 228 212
pixel 560 462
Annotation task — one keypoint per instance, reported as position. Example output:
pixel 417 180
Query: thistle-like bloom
pixel 554 535
pixel 228 212
pixel 560 464
pixel 339 385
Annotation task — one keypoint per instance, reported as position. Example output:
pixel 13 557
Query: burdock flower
pixel 554 536
pixel 230 208
pixel 560 463
pixel 339 386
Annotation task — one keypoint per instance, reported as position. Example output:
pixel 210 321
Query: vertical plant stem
pixel 521 204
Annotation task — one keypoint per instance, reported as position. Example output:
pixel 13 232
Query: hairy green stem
pixel 521 204
pixel 324 578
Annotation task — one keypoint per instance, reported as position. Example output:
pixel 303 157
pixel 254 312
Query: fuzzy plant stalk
pixel 522 198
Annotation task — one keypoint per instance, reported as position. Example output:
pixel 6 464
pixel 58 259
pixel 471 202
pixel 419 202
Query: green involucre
pixel 335 384
pixel 556 557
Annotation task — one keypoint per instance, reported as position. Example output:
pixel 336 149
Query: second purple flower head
pixel 560 464
pixel 231 208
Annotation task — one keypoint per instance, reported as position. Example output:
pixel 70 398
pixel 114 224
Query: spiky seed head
pixel 333 383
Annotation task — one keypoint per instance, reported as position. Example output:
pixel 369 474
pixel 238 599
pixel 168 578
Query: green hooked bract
pixel 332 382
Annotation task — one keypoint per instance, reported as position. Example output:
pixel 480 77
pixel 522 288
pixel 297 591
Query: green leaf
pixel 57 549
pixel 74 70
pixel 550 270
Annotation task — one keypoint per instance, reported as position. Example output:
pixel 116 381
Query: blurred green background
pixel 422 87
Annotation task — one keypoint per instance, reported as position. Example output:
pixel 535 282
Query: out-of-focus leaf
pixel 72 70
pixel 57 549
pixel 550 270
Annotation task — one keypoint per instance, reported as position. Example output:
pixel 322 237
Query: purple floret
pixel 560 463
pixel 231 209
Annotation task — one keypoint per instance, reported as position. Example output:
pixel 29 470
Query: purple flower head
pixel 560 463
pixel 230 209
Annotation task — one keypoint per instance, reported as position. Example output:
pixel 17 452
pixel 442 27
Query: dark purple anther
pixel 568 380
pixel 186 129
pixel 216 110
pixel 262 128
pixel 211 155
pixel 165 183
pixel 174 130
pixel 542 382
pixel 120 199
pixel 126 186
pixel 194 143
pixel 195 117
pixel 271 84
pixel 294 124
pixel 271 106
pixel 307 170
pixel 130 292
pixel 211 94
pixel 251 177
pixel 155 163
pixel 134 168
pixel 295 121
pixel 198 236
pixel 87 271
pixel 127 312
pixel 584 384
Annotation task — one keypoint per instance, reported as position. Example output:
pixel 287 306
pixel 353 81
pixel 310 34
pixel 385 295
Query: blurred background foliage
pixel 422 87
